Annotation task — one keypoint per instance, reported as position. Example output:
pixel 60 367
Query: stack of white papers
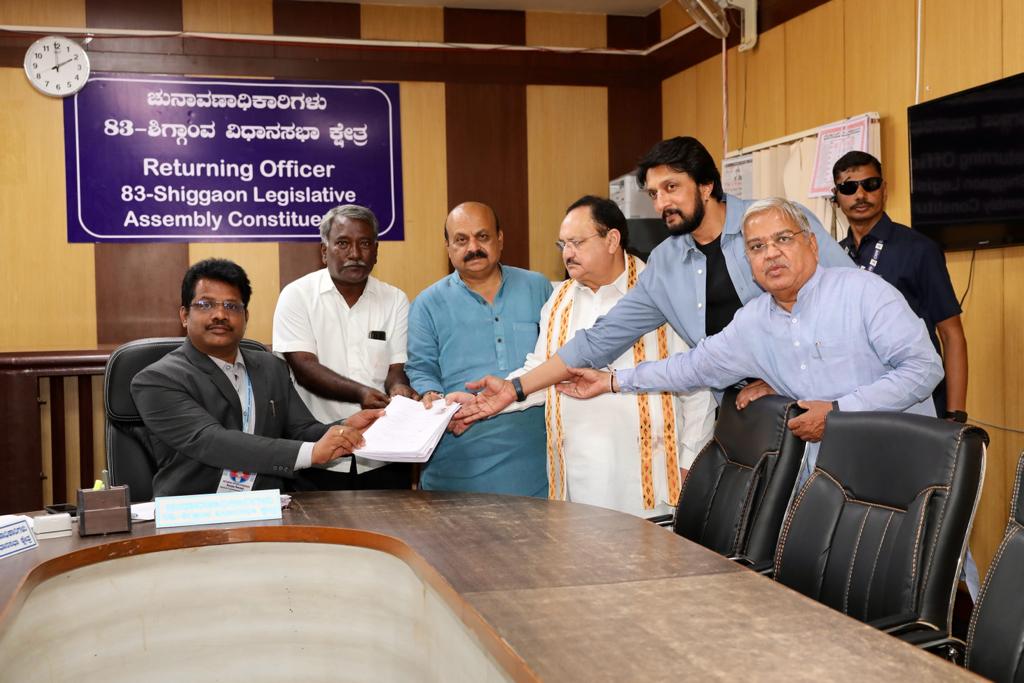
pixel 408 432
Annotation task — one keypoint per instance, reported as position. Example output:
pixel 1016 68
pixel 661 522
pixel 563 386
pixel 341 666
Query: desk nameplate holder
pixel 104 511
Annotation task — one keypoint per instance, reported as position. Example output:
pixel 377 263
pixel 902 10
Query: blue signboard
pixel 153 158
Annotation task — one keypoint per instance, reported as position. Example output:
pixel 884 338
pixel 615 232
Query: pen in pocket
pixel 273 408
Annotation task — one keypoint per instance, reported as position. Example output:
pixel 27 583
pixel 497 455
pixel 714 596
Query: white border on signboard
pixel 233 238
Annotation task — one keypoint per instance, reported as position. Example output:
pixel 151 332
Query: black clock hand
pixel 58 66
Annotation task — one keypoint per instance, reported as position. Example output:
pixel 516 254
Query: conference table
pixel 411 585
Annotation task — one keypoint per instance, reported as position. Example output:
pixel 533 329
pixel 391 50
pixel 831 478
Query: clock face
pixel 57 66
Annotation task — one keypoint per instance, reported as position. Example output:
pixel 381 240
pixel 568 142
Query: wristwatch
pixel 956 415
pixel 518 386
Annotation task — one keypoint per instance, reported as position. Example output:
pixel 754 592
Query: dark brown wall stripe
pixel 634 125
pixel 633 33
pixel 498 27
pixel 323 19
pixel 486 142
pixel 295 259
pixel 155 15
pixel 137 285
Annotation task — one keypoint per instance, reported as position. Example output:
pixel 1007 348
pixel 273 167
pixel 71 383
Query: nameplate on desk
pixel 15 536
pixel 218 508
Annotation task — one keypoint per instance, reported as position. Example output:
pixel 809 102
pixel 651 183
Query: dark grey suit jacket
pixel 195 421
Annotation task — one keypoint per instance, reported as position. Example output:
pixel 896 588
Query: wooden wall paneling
pixel 485 133
pixel 1013 37
pixel 757 90
pixel 498 27
pixel 295 259
pixel 99 424
pixel 562 29
pixel 634 124
pixel 58 441
pixel 19 472
pixel 420 259
pixel 157 15
pixel 138 290
pixel 983 320
pixel 629 33
pixel 567 158
pixel 815 67
pixel 326 19
pixel 87 456
pixel 962 45
pixel 673 19
pixel 49 13
pixel 50 300
pixel 679 104
pixel 894 25
pixel 709 106
pixel 228 16
pixel 260 261
pixel 1013 366
pixel 398 22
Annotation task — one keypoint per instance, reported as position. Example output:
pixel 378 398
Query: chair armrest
pixel 765 567
pixel 897 623
pixel 661 520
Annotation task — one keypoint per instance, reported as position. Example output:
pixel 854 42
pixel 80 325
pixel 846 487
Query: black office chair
pixel 879 530
pixel 995 638
pixel 736 492
pixel 129 456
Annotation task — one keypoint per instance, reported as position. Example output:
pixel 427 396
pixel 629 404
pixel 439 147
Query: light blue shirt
pixel 455 337
pixel 850 338
pixel 672 289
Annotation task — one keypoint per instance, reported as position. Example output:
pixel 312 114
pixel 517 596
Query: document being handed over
pixel 408 432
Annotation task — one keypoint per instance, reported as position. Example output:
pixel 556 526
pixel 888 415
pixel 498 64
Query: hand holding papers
pixel 408 432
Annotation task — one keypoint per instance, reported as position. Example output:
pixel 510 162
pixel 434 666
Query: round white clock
pixel 57 66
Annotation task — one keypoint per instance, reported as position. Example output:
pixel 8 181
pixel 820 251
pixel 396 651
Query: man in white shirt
pixel 628 453
pixel 343 333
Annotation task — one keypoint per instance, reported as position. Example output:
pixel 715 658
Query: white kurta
pixel 601 443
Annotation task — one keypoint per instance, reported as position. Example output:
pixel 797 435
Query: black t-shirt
pixel 722 299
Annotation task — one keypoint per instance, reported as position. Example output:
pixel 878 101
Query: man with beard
pixel 343 333
pixel 221 418
pixel 908 261
pixel 483 318
pixel 696 280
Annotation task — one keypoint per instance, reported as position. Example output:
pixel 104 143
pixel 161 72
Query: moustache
pixel 669 212
pixel 775 263
pixel 354 264
pixel 222 326
pixel 862 205
pixel 474 255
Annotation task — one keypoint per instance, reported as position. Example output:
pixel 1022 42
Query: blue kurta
pixel 455 337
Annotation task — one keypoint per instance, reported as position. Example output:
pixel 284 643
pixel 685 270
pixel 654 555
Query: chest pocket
pixel 377 358
pixel 525 338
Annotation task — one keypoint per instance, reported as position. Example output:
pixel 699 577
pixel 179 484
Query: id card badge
pixel 236 480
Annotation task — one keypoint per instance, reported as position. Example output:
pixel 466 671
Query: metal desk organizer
pixel 104 511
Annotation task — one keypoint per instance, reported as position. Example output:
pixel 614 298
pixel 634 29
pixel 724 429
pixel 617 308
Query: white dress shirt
pixel 312 316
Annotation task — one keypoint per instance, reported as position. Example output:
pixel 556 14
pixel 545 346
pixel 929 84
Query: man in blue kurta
pixel 481 319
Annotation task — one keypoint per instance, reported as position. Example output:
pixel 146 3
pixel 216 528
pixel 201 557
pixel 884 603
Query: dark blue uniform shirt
pixel 913 264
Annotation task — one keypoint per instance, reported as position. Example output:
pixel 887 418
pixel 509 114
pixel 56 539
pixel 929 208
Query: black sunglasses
pixel 849 187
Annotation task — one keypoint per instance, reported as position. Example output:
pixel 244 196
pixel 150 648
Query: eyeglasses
pixel 849 187
pixel 782 240
pixel 575 244
pixel 207 305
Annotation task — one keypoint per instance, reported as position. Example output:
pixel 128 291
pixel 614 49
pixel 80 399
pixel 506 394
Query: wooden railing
pixel 51 440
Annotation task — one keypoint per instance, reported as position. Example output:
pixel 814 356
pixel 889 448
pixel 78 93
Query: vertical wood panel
pixel 500 27
pixel 568 157
pixel 138 290
pixel 679 104
pixel 815 67
pixel 421 259
pixel 45 441
pixel 962 45
pixel 329 19
pixel 486 166
pixel 58 441
pixel 50 299
pixel 709 106
pixel 394 22
pixel 99 447
pixel 228 16
pixel 630 33
pixel 634 125
pixel 558 29
pixel 72 446
pixel 87 456
pixel 893 24
pixel 48 13
pixel 757 90
pixel 259 259
pixel 1013 37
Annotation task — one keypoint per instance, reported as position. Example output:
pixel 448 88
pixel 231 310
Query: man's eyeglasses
pixel 849 187
pixel 575 244
pixel 782 240
pixel 208 305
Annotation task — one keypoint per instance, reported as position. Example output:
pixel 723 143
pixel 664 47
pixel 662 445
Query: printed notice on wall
pixel 835 140
pixel 189 159
pixel 738 176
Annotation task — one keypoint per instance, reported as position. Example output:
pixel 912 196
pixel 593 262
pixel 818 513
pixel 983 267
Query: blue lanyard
pixel 873 263
pixel 248 419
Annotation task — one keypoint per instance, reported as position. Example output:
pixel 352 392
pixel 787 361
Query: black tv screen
pixel 967 166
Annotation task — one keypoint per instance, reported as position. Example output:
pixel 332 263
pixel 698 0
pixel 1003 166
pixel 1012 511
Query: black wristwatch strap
pixel 835 406
pixel 956 415
pixel 518 386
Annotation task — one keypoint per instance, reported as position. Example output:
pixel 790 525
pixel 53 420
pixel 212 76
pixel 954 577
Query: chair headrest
pixel 767 415
pixel 128 359
pixel 889 458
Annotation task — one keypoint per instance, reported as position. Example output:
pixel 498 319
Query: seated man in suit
pixel 226 419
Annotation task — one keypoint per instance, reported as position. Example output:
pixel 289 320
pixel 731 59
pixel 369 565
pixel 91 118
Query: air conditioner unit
pixel 710 16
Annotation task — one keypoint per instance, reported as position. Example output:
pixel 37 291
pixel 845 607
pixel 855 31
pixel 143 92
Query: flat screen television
pixel 967 166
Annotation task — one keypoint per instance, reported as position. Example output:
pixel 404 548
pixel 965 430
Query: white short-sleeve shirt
pixel 312 316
